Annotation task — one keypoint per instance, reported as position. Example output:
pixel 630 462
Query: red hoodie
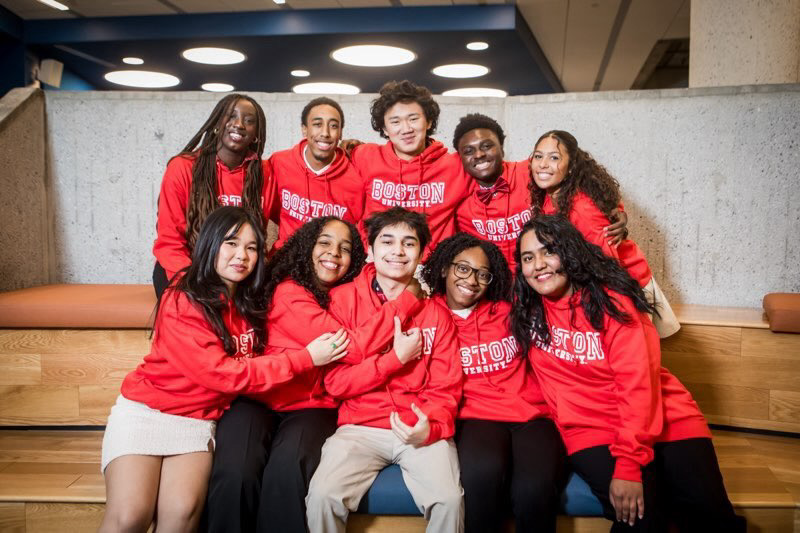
pixel 590 221
pixel 433 183
pixel 295 319
pixel 499 384
pixel 171 247
pixel 608 387
pixel 501 220
pixel 303 195
pixel 188 372
pixel 371 389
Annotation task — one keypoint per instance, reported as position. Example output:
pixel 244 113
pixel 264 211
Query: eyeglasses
pixel 464 271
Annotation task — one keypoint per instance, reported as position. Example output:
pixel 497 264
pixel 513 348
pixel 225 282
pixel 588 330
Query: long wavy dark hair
pixel 204 287
pixel 446 251
pixel 583 174
pixel 203 148
pixel 293 261
pixel 588 269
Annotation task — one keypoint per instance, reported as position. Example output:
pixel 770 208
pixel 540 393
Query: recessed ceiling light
pixel 279 2
pixel 476 91
pixel 213 56
pixel 477 45
pixel 460 70
pixel 325 88
pixel 133 60
pixel 373 55
pixel 300 73
pixel 53 3
pixel 142 78
pixel 217 87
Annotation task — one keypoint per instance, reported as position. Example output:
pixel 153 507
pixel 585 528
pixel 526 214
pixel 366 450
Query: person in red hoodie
pixel 508 449
pixel 208 335
pixel 567 180
pixel 628 424
pixel 220 165
pixel 499 201
pixel 268 446
pixel 314 178
pixel 398 404
pixel 412 170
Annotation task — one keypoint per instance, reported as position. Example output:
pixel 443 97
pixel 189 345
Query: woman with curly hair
pixel 568 181
pixel 507 447
pixel 220 165
pixel 625 420
pixel 269 446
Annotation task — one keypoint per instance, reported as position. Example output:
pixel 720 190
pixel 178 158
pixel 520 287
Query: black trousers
pixel 263 464
pixel 682 486
pixel 160 280
pixel 518 462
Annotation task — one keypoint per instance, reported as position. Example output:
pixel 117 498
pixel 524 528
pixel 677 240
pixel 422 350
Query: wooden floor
pixel 50 481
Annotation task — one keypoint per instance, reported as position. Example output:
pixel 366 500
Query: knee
pixel 127 519
pixel 483 476
pixel 323 496
pixel 451 497
pixel 182 512
pixel 536 492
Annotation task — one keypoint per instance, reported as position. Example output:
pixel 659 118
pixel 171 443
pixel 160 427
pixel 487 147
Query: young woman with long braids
pixel 220 165
pixel 626 421
pixel 207 348
pixel 567 180
pixel 508 449
pixel 268 446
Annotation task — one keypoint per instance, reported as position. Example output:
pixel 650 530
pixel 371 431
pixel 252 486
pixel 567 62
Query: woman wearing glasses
pixel 508 449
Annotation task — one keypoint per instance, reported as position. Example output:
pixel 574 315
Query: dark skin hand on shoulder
pixel 348 144
pixel 618 230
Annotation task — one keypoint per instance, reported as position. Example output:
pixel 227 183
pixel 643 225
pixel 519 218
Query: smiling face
pixel 549 165
pixel 396 252
pixel 237 257
pixel 406 126
pixel 464 289
pixel 238 131
pixel 322 130
pixel 542 268
pixel 481 155
pixel 332 253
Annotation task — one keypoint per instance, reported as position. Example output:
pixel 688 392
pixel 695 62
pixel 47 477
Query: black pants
pixel 500 459
pixel 263 464
pixel 682 486
pixel 160 281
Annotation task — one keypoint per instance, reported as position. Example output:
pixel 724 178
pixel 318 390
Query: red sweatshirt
pixel 501 220
pixel 371 389
pixel 499 384
pixel 188 372
pixel 171 248
pixel 295 319
pixel 433 183
pixel 303 195
pixel 590 221
pixel 608 388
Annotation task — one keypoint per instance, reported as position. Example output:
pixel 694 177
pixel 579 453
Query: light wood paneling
pixel 707 340
pixel 12 517
pixel 61 517
pixel 96 401
pixel 784 406
pixel 711 315
pixel 20 369
pixel 39 400
pixel 74 341
pixel 731 400
pixel 755 372
pixel 765 343
pixel 88 369
pixel 754 423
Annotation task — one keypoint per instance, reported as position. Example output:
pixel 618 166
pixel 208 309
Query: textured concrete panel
pixel 709 176
pixel 23 213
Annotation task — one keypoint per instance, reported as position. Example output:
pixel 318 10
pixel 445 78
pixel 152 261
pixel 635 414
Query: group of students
pixel 281 382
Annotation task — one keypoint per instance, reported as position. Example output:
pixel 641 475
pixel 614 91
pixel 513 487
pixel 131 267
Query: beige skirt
pixel 666 322
pixel 135 429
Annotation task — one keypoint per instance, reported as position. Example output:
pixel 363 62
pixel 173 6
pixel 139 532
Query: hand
pixel 627 497
pixel 408 345
pixel 414 436
pixel 415 288
pixel 328 347
pixel 348 144
pixel 618 231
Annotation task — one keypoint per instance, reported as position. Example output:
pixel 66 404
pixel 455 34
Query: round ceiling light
pixel 133 60
pixel 144 79
pixel 325 88
pixel 460 70
pixel 477 45
pixel 476 91
pixel 217 87
pixel 373 55
pixel 300 73
pixel 213 56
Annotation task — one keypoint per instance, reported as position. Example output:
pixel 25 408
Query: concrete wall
pixel 23 210
pixel 709 176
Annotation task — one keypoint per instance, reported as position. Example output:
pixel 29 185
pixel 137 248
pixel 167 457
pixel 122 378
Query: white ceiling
pixel 577 36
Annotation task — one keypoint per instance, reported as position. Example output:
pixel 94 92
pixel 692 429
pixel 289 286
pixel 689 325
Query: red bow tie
pixel 485 194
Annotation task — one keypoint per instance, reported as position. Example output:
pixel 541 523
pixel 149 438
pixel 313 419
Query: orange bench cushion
pixel 78 306
pixel 783 311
